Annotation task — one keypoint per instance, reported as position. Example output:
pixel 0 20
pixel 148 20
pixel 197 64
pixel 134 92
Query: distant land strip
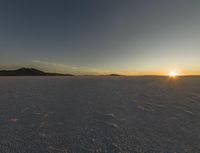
pixel 29 72
pixel 35 72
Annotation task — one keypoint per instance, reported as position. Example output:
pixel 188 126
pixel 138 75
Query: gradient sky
pixel 101 36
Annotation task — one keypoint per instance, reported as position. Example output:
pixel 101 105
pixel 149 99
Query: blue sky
pixel 101 36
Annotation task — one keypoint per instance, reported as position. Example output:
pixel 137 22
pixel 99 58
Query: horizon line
pixel 110 74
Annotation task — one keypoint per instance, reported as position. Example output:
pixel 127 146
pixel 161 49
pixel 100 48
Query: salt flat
pixel 99 114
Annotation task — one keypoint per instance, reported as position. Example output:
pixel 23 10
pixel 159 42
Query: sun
pixel 173 74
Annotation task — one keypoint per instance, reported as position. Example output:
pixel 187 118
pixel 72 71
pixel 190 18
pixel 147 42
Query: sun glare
pixel 172 74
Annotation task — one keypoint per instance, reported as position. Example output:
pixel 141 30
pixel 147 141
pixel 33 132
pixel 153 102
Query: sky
pixel 132 37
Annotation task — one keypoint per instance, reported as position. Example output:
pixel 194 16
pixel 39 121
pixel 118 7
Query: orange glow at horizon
pixel 173 74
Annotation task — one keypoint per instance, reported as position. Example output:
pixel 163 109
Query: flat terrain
pixel 99 115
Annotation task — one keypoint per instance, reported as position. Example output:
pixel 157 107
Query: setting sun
pixel 172 74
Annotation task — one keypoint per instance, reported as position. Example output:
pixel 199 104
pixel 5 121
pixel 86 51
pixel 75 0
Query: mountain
pixel 115 75
pixel 29 72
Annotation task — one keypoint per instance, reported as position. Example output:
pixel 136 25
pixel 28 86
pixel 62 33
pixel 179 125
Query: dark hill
pixel 115 75
pixel 29 72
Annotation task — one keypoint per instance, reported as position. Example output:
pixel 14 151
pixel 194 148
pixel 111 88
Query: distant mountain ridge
pixel 115 74
pixel 29 72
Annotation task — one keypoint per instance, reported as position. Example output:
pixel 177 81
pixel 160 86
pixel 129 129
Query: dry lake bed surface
pixel 99 115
